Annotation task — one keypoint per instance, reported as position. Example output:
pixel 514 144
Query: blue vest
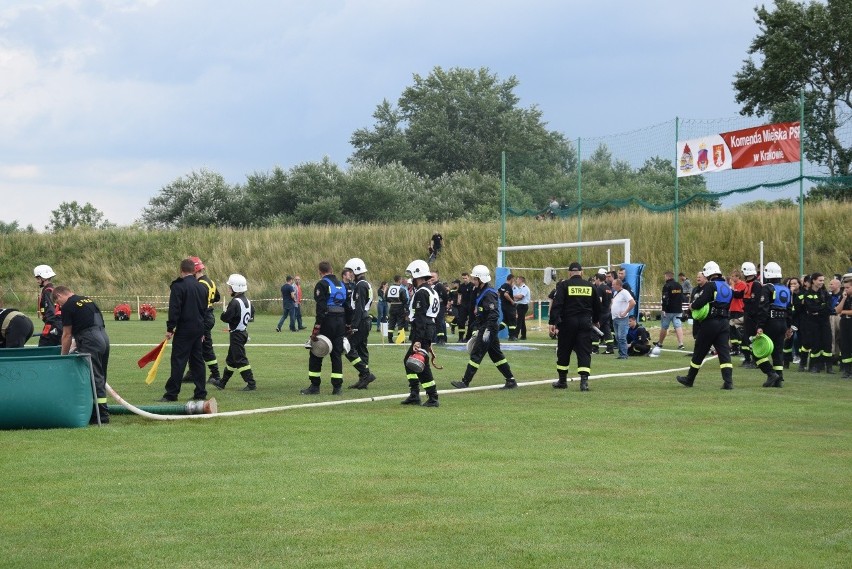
pixel 723 295
pixel 781 298
pixel 482 295
pixel 336 293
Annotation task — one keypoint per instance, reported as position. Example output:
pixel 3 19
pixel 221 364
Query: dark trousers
pixel 775 328
pixel 714 332
pixel 396 319
pixel 480 349
pixel 334 329
pixel 510 319
pixel 464 321
pixel 359 355
pixel 19 331
pixel 575 335
pixel 207 351
pixel 522 321
pixel 95 342
pixel 51 334
pixel 749 330
pixel 237 360
pixel 186 347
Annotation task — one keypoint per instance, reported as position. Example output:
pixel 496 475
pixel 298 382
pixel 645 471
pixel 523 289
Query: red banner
pixel 764 145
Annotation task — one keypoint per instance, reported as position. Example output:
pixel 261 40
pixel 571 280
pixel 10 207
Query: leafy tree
pixel 461 120
pixel 804 47
pixel 14 227
pixel 199 199
pixel 71 214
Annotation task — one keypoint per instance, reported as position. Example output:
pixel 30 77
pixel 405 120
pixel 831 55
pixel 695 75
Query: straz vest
pixel 434 303
pixel 336 294
pixel 721 299
pixel 395 293
pixel 359 288
pixel 245 314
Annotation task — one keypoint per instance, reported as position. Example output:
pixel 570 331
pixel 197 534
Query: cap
pixel 575 266
pixel 199 266
pixel 602 271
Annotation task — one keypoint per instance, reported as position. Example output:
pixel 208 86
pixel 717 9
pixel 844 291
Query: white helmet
pixel 43 271
pixel 346 345
pixel 418 270
pixel 655 352
pixel 237 283
pixel 319 348
pixel 481 272
pixel 471 343
pixel 772 270
pixel 356 265
pixel 711 268
pixel 748 269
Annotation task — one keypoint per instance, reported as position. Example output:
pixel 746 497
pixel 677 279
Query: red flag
pixel 152 355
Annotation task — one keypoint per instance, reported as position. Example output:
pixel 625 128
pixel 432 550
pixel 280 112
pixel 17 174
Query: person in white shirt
pixel 521 293
pixel 622 304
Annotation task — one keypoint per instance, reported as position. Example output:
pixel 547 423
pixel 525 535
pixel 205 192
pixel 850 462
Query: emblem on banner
pixel 719 155
pixel 686 163
pixel 702 161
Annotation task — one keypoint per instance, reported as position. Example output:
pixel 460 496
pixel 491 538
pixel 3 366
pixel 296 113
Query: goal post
pixel 501 251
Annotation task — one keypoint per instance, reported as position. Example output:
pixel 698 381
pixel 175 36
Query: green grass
pixel 639 472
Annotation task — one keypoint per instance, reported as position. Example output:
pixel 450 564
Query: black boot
pixel 847 371
pixel 414 396
pixel 214 371
pixel 460 384
pixel 510 384
pixel 103 410
pixel 336 386
pixel 432 401
pixel 771 379
pixel 829 367
pixel 390 337
pixel 816 366
pixel 803 362
pixel 312 389
pixel 561 383
pixel 727 378
pixel 780 381
pixel 220 383
pixel 584 383
pixel 248 377
pixel 685 380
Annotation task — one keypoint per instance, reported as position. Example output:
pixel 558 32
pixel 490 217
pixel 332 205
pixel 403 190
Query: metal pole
pixel 676 200
pixel 579 201
pixel 503 198
pixel 801 182
pixel 761 262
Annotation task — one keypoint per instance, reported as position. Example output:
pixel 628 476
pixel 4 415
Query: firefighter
pixel 83 322
pixel 751 298
pixel 331 308
pixel 360 298
pixel 237 316
pixel 16 328
pixel 213 297
pixel 49 312
pixel 774 318
pixel 465 303
pixel 486 322
pixel 817 307
pixel 422 311
pixel 576 308
pixel 605 295
pixel 507 306
pixel 715 328
pixel 397 307
pixel 844 310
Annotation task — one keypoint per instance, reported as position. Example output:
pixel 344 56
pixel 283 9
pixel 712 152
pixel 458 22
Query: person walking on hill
pixel 575 309
pixel 486 322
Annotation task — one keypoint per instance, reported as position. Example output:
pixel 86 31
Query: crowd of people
pixel 773 323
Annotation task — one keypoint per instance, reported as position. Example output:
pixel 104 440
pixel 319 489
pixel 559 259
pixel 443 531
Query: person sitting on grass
pixel 638 339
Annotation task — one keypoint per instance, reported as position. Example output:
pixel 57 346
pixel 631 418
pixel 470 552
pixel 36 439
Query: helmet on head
pixel 481 272
pixel 199 266
pixel 237 283
pixel 418 270
pixel 772 270
pixel 711 268
pixel 320 347
pixel 43 271
pixel 748 269
pixel 655 352
pixel 416 362
pixel 356 265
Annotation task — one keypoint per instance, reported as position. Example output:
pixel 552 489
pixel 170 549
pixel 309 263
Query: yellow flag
pixel 152 373
pixel 400 338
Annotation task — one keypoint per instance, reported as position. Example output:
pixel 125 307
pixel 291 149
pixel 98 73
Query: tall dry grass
pixel 132 261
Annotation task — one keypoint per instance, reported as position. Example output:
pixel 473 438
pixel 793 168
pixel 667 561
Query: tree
pixel 461 120
pixel 14 227
pixel 804 47
pixel 199 199
pixel 71 214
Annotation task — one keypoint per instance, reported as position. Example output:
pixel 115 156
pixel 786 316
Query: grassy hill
pixel 132 261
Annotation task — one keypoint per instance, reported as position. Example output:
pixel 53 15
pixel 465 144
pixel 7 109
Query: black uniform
pixel 422 312
pixel 487 322
pixel 237 315
pixel 187 307
pixel 84 318
pixel 360 322
pixel 605 296
pixel 846 339
pixel 751 302
pixel 330 296
pixel 207 351
pixel 802 324
pixel 817 309
pixel 714 331
pixel 694 293
pixel 576 307
pixel 51 315
pixel 440 319
pixel 15 328
pixel 638 341
pixel 774 317
pixel 465 310
pixel 397 297
pixel 507 305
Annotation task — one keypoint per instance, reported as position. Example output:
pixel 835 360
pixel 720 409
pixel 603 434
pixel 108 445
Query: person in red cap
pixel 575 310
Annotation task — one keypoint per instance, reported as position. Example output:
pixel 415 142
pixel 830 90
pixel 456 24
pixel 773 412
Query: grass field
pixel 639 472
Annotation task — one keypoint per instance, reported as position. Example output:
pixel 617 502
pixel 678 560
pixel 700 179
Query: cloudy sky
pixel 107 101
